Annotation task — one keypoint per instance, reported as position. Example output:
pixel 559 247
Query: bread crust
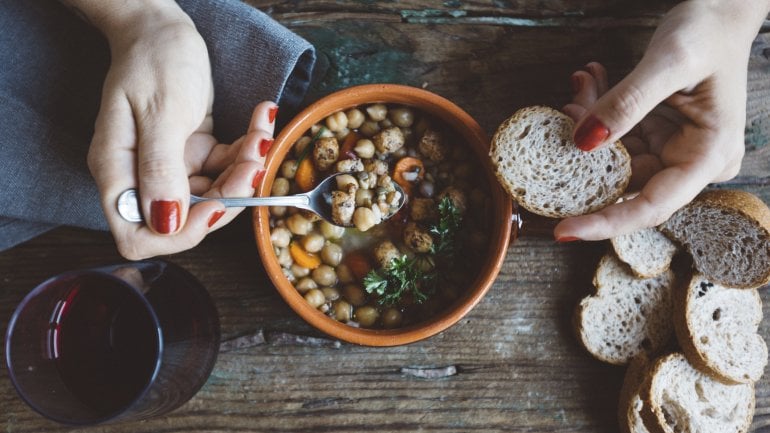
pixel 501 146
pixel 655 418
pixel 753 209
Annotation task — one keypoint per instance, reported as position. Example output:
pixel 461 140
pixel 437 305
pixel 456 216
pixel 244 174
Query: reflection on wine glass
pixel 122 342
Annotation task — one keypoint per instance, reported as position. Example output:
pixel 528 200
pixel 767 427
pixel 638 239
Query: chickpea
pixel 330 293
pixel 422 125
pixel 298 224
pixel 284 258
pixel 347 183
pixel 312 242
pixel 337 121
pixel 364 197
pixel 463 170
pixel 331 254
pixel 385 123
pixel 344 274
pixel 299 271
pixel 343 311
pixel 304 284
pixel 280 187
pixel 330 231
pixel 369 128
pixel 377 112
pixel 289 168
pixel 364 219
pixel 355 118
pixel 401 116
pixel 316 130
pixel 324 275
pixel 391 318
pixel 278 211
pixel 366 316
pixel 341 134
pixel 364 148
pixel 315 298
pixel 354 294
pixel 280 237
pixel 301 144
pixel 289 275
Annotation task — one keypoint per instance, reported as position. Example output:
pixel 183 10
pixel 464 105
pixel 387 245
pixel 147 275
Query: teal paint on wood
pixel 353 55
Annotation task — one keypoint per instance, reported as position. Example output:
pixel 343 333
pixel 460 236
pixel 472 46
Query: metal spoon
pixel 317 200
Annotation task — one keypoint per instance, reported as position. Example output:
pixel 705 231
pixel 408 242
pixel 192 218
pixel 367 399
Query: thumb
pixel 163 185
pixel 616 112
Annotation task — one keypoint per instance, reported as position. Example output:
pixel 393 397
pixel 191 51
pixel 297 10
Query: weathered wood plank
pixel 513 363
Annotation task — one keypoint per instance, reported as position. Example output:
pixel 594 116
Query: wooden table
pixel 513 363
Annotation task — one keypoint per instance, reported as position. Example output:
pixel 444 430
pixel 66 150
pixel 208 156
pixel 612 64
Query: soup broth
pixel 389 270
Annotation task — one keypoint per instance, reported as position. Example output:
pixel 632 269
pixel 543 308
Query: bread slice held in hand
pixel 627 315
pixel 647 251
pixel 537 162
pixel 727 233
pixel 717 329
pixel 683 399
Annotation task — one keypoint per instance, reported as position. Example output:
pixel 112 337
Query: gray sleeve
pixel 50 85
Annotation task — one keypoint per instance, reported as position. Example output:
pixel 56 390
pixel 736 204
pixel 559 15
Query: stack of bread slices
pixel 689 338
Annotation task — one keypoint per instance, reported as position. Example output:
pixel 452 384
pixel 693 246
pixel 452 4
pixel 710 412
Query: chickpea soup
pixel 387 269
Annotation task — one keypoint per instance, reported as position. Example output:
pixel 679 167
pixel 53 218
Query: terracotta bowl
pixel 478 142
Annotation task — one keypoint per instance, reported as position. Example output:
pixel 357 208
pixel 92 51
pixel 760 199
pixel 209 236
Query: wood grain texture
pixel 513 364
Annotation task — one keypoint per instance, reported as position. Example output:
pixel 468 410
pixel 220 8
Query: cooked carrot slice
pixel 302 257
pixel 406 165
pixel 306 176
pixel 346 150
pixel 358 263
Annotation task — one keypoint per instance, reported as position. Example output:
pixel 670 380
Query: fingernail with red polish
pixel 591 134
pixel 565 239
pixel 577 83
pixel 257 178
pixel 165 216
pixel 265 145
pixel 215 217
pixel 272 113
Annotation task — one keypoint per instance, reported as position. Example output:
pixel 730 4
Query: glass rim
pixel 102 273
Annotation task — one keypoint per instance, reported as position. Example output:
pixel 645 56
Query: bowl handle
pixel 525 223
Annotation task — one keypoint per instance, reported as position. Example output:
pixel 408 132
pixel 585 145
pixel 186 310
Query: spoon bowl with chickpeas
pixel 419 225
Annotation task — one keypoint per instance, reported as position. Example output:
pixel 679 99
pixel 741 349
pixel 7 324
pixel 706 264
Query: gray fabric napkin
pixel 53 66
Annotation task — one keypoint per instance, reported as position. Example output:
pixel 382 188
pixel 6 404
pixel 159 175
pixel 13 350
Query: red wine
pixel 104 341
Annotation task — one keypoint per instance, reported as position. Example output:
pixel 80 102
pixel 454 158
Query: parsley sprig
pixel 418 276
pixel 445 231
pixel 401 277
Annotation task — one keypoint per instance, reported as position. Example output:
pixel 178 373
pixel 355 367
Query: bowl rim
pixel 459 121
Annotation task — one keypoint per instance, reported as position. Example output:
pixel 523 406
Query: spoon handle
pixel 128 203
pixel 299 200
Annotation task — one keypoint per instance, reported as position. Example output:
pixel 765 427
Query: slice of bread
pixel 627 315
pixel 537 162
pixel 717 329
pixel 630 403
pixel 647 251
pixel 682 399
pixel 727 232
